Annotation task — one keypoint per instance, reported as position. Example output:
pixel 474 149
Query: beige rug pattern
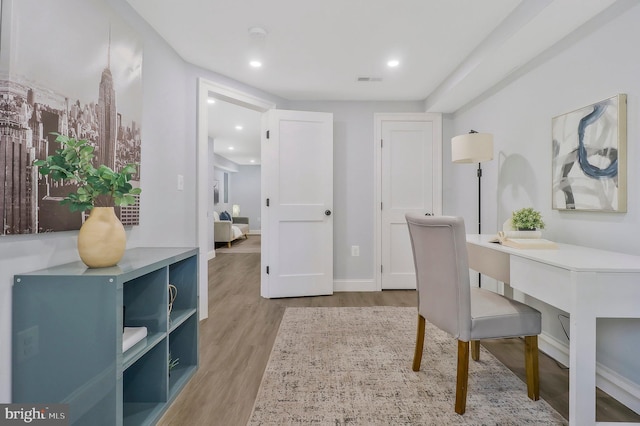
pixel 352 366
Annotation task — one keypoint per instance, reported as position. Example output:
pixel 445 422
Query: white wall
pixel 210 178
pixel 519 116
pixel 219 176
pixel 244 190
pixel 353 177
pixel 167 215
pixel 168 149
pixel 596 66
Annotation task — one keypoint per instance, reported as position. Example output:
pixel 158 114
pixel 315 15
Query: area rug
pixel 352 366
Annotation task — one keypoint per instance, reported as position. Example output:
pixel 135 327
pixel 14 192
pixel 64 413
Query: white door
pixel 410 182
pixel 297 212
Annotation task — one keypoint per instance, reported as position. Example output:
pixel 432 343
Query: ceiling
pixel 240 146
pixel 450 51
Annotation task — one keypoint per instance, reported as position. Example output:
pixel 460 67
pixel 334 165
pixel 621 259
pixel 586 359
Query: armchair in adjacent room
pixel 227 231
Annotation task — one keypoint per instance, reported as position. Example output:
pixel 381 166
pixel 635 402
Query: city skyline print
pixel 71 67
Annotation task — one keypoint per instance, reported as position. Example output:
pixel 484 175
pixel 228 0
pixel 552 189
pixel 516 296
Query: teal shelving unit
pixel 67 336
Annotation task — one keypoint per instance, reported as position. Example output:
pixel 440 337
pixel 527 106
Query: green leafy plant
pixel 100 186
pixel 527 218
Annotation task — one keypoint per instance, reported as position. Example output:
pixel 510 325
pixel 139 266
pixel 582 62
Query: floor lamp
pixel 473 147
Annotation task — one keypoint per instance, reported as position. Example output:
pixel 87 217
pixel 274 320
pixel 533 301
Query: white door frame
pixel 208 89
pixel 436 118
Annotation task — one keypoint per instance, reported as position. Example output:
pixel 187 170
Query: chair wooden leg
pixel 229 244
pixel 462 377
pixel 417 356
pixel 475 350
pixel 531 367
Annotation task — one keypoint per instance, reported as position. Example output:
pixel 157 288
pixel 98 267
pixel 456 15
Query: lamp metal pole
pixel 479 214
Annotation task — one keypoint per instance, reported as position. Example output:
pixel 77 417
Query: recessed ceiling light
pixel 252 161
pixel 211 101
pixel 238 127
pixel 231 148
pixel 393 63
pixel 255 64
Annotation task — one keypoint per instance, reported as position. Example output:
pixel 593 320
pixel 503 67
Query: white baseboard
pixel 354 285
pixel 554 348
pixel 255 231
pixel 619 387
pixel 211 255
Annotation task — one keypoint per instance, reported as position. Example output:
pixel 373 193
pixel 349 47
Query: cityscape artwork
pixel 71 67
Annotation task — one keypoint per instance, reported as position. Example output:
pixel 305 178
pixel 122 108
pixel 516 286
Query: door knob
pixel 327 212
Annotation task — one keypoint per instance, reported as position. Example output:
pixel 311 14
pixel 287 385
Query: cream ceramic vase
pixel 102 240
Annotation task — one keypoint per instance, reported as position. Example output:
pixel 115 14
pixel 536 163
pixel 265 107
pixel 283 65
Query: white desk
pixel 587 283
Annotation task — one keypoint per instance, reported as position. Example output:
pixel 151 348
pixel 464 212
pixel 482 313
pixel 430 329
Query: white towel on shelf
pixel 131 336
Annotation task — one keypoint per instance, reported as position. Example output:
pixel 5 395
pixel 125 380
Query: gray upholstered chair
pixel 446 300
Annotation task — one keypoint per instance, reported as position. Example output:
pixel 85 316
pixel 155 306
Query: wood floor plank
pixel 236 341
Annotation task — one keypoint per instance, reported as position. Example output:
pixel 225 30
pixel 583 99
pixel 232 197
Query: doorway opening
pixel 234 141
pixel 204 210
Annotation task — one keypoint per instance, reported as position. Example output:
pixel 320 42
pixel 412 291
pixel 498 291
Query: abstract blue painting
pixel 589 157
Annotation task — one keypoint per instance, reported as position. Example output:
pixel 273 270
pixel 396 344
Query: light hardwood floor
pixel 236 341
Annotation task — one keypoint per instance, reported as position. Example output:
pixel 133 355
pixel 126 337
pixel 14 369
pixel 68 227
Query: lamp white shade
pixel 472 148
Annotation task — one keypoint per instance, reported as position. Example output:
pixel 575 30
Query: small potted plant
pixel 527 219
pixel 102 239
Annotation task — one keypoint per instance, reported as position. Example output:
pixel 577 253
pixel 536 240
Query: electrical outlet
pixel 27 344
pixel 355 250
